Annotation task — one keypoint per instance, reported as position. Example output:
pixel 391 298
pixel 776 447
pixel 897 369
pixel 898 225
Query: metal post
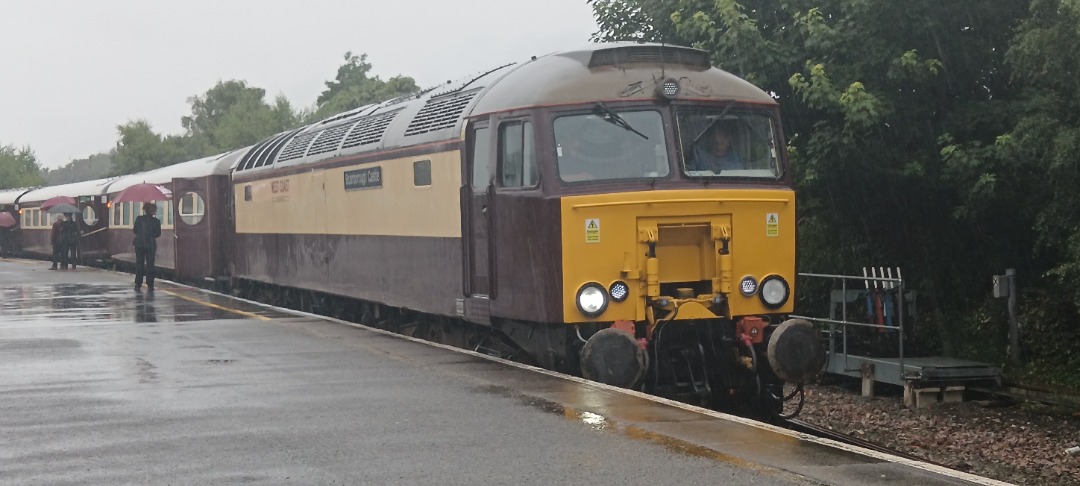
pixel 1014 326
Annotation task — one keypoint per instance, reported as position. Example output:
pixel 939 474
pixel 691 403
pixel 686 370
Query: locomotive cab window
pixel 517 155
pixel 481 159
pixel 718 142
pixel 192 208
pixel 598 146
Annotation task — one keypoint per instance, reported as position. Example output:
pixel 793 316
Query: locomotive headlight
pixel 774 291
pixel 619 291
pixel 592 299
pixel 669 89
pixel 748 286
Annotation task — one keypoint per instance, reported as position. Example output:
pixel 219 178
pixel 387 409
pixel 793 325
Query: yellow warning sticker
pixel 772 224
pixel 592 231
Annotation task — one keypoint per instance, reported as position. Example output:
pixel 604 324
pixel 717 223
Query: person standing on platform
pixel 69 242
pixel 56 242
pixel 147 230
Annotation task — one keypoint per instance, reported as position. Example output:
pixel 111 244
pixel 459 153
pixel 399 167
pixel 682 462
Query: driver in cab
pixel 713 150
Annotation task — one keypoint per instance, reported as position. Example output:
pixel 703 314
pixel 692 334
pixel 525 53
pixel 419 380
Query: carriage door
pixel 198 219
pixel 476 195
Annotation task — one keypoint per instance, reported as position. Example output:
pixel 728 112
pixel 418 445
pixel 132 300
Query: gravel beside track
pixel 1022 443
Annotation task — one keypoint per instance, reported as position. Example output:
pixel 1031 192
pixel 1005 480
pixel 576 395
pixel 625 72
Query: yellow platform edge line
pixel 226 309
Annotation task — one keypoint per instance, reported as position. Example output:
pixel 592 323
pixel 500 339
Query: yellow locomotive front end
pixel 678 252
pixel 705 254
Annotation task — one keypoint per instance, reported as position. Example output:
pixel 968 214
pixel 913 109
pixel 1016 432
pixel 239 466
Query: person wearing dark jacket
pixel 69 242
pixel 56 242
pixel 147 230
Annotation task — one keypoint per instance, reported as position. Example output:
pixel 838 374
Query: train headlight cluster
pixel 592 299
pixel 619 291
pixel 774 291
pixel 748 286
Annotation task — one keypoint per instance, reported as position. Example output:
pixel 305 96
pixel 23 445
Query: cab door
pixel 476 197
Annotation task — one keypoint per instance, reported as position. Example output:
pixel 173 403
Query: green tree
pixel 893 111
pixel 232 115
pixel 354 87
pixel 19 167
pixel 138 149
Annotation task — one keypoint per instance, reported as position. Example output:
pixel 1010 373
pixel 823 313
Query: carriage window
pixel 89 216
pixel 127 213
pixel 481 160
pixel 517 155
pixel 597 146
pixel 421 173
pixel 717 142
pixel 169 213
pixel 191 208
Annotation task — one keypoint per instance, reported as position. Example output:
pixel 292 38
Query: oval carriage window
pixel 192 208
pixel 89 216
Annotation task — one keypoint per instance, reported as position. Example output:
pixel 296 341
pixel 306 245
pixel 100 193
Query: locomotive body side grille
pixel 329 139
pixel 369 129
pixel 296 147
pixel 439 113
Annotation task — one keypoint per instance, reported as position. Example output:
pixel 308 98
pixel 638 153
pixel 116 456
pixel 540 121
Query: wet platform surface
pixel 103 385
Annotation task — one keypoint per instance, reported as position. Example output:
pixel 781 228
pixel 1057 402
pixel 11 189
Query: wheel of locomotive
pixel 795 351
pixel 613 357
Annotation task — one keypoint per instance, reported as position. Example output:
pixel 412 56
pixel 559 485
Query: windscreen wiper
pixel 614 119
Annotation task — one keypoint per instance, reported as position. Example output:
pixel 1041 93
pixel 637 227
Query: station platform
pixel 100 384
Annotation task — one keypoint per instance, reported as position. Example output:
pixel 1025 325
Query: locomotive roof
pixel 206 166
pixel 599 72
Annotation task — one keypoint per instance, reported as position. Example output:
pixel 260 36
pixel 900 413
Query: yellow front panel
pixel 318 203
pixel 605 239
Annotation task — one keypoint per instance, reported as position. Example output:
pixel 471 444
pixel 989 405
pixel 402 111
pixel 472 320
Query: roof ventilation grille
pixel 439 113
pixel 684 56
pixel 369 129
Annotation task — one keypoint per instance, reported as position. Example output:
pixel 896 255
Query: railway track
pixel 816 431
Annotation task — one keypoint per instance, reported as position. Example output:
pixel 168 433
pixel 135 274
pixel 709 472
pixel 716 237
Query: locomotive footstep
pixel 613 357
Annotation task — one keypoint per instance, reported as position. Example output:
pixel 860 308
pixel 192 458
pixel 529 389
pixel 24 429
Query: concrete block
pixel 920 397
pixel 952 394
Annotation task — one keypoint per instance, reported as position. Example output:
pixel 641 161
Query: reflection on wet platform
pixel 110 302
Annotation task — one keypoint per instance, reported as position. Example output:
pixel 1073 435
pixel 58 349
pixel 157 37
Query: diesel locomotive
pixel 573 211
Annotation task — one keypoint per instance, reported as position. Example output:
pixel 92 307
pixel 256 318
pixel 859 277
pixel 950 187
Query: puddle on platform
pixel 103 302
pixel 599 422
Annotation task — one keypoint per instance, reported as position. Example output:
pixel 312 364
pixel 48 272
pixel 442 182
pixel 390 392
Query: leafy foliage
pixel 916 141
pixel 233 115
pixel 19 168
pixel 353 88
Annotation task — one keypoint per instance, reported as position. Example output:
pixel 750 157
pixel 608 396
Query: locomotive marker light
pixel 748 286
pixel 669 89
pixel 774 291
pixel 592 299
pixel 619 291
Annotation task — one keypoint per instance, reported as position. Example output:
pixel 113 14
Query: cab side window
pixel 517 155
pixel 481 163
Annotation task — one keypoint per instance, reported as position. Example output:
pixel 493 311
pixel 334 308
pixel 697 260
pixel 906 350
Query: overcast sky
pixel 72 70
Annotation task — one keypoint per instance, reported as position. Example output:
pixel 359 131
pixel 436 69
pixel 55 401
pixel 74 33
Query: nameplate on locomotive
pixel 368 178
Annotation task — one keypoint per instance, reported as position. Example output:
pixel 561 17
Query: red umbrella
pixel 6 220
pixel 53 201
pixel 144 193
